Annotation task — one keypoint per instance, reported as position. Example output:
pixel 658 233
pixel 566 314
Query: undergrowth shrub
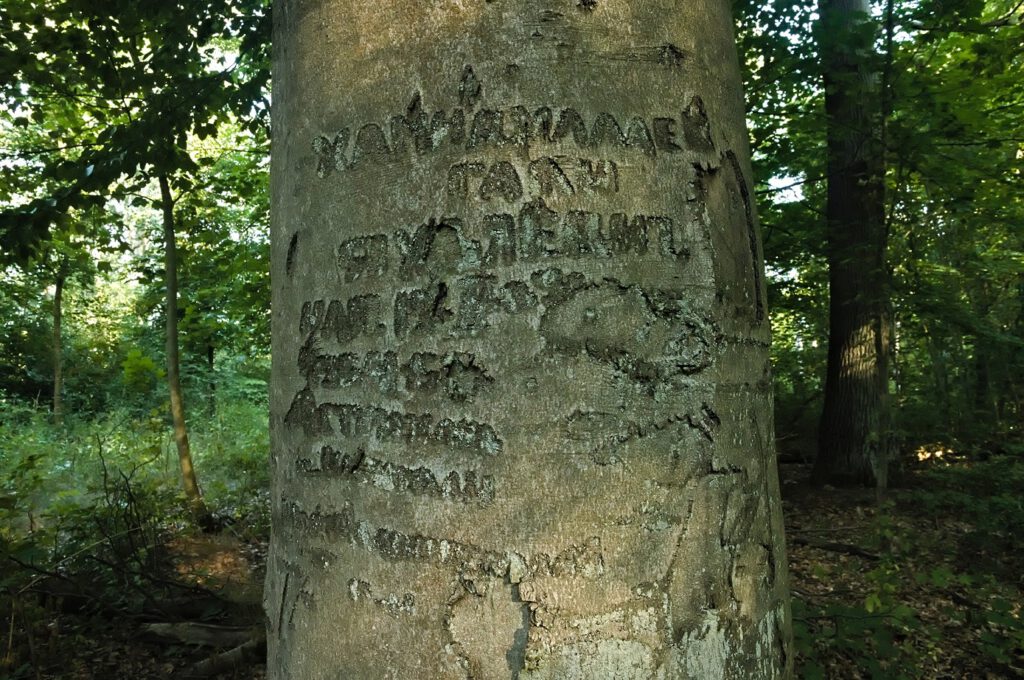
pixel 951 554
pixel 93 502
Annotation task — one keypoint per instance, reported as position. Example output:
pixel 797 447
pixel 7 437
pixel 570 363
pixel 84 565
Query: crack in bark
pixel 748 210
pixel 281 604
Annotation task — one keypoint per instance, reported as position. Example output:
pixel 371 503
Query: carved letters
pixel 527 197
pixel 533 234
pixel 518 127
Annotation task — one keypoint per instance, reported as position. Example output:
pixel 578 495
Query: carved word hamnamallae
pixel 419 132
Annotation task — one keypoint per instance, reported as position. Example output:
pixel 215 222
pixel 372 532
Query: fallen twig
pixel 832 546
pixel 242 655
pixel 202 633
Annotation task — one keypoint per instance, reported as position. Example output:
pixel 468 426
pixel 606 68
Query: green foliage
pixel 112 328
pixel 96 500
pixel 23 367
pixel 139 372
pixel 109 93
pixel 953 104
pixel 869 633
pixel 950 557
pixel 235 449
pixel 957 243
pixel 987 496
pixel 223 250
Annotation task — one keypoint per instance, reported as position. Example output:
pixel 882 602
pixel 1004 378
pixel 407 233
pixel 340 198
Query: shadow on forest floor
pixel 925 585
pixel 206 611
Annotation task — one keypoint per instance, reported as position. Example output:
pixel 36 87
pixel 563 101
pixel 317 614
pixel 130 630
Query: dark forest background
pixel 888 145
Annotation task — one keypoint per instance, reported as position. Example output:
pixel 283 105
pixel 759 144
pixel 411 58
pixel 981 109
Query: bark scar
pixel 281 602
pixel 748 210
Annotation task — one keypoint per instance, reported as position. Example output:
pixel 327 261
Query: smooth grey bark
pixel 854 433
pixel 189 480
pixel 520 401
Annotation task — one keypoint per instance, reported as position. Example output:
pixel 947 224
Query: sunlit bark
pixel 188 474
pixel 520 403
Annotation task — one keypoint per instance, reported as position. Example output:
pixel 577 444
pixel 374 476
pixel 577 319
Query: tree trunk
pixel 188 472
pixel 938 359
pixel 58 347
pixel 212 384
pixel 520 404
pixel 854 432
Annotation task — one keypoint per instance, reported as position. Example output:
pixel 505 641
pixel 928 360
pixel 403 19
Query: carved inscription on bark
pixel 533 257
pixel 421 133
pixel 444 277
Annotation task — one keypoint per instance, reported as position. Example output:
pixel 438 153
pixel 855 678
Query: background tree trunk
pixel 854 431
pixel 212 379
pixel 58 345
pixel 188 472
pixel 520 403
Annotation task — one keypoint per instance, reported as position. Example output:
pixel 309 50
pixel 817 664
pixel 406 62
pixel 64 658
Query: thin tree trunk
pixel 982 392
pixel 854 432
pixel 58 348
pixel 212 379
pixel 940 375
pixel 188 473
pixel 520 405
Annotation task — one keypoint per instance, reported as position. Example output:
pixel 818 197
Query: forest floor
pixel 909 588
pixel 904 589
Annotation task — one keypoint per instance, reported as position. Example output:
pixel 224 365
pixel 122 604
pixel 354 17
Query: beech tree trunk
pixel 188 473
pixel 854 432
pixel 521 403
